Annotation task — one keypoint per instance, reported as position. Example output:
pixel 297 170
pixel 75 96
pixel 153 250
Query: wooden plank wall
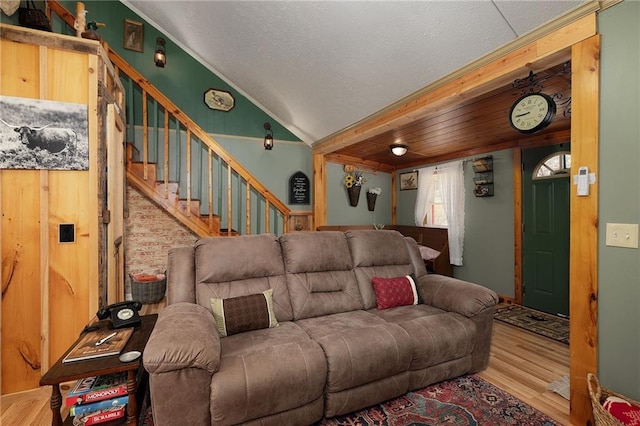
pixel 45 284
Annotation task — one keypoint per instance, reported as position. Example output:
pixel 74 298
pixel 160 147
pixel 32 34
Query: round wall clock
pixel 532 112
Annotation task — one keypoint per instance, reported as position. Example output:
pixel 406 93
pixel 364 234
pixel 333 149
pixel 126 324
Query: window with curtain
pixel 440 202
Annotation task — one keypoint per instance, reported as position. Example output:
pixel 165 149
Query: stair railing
pixel 217 157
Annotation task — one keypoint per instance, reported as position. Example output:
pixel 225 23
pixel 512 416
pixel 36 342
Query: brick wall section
pixel 149 234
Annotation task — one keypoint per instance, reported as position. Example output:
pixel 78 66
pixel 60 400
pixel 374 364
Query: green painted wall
pixel 339 212
pixel 619 178
pixel 184 80
pixel 488 224
pixel 488 257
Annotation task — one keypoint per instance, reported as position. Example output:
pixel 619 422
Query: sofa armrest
pixel 185 336
pixel 451 294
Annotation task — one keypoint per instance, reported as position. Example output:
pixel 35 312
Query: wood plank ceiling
pixel 467 128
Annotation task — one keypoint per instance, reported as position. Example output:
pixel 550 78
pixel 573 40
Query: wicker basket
pixel 148 291
pixel 598 396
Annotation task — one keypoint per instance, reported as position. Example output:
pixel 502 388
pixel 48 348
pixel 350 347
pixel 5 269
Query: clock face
pixel 125 314
pixel 532 112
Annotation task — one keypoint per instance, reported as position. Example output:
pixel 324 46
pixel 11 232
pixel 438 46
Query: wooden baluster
pixel 145 135
pixel 166 154
pixel 267 225
pixel 188 160
pixel 248 209
pixel 229 207
pixel 210 192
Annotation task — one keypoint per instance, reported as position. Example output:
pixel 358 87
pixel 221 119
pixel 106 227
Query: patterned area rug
pixel 551 326
pixel 465 401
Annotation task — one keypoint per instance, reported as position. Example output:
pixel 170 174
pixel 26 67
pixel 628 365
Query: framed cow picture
pixel 40 134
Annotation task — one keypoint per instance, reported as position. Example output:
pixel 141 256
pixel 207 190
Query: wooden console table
pixel 61 373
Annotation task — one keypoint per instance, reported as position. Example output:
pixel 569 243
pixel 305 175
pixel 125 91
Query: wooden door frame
pixel 518 190
pixel 583 249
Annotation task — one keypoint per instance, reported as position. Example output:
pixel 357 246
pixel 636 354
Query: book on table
pixel 99 343
pixel 90 407
pixel 97 388
pixel 100 416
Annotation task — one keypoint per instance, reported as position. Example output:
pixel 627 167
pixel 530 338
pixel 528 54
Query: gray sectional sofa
pixel 332 352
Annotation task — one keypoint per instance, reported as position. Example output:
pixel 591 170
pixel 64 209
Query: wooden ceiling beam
pixel 360 163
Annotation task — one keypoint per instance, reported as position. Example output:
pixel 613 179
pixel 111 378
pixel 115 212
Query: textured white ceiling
pixel 320 66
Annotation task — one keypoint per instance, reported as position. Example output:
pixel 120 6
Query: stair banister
pixel 192 128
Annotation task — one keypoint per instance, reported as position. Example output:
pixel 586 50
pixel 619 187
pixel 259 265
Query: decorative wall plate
pixel 219 100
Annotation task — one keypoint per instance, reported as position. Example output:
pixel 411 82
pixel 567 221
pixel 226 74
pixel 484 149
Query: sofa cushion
pixel 436 336
pixel 347 340
pixel 258 371
pixel 320 276
pixel 227 267
pixel 397 291
pixel 378 254
pixel 244 313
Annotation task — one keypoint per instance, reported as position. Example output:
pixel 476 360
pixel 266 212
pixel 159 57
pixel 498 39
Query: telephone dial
pixel 123 314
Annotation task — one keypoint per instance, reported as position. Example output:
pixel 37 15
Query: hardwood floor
pixel 521 363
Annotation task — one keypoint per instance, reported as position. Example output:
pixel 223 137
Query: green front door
pixel 545 212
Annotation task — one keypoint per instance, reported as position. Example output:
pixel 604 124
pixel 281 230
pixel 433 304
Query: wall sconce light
pixel 160 57
pixel 268 137
pixel 398 149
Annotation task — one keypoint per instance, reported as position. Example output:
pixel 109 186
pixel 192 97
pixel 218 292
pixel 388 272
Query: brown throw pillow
pixel 244 313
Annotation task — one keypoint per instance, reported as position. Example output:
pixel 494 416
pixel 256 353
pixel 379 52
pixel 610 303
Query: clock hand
pixel 525 113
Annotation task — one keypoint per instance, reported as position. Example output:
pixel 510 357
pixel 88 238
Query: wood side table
pixel 61 373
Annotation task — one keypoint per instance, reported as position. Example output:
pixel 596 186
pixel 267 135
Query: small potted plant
pixel 372 195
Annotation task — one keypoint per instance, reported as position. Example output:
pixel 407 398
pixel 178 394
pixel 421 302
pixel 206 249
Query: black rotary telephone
pixel 123 314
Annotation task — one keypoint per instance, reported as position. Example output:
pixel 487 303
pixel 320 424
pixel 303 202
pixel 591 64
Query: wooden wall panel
pixel 21 353
pixel 50 289
pixel 115 201
pixel 69 202
pixel 20 80
pixel 20 235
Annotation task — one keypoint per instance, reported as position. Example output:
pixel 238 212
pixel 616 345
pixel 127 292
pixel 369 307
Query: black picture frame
pixel 409 180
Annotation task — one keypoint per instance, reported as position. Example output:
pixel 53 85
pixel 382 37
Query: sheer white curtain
pixel 426 191
pixel 451 187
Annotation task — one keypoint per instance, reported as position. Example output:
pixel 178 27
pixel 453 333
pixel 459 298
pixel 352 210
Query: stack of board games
pixel 98 399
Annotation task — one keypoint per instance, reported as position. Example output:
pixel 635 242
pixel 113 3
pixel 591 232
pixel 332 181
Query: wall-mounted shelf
pixel 483 179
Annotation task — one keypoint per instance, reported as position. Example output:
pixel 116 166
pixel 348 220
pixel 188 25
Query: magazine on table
pixel 99 343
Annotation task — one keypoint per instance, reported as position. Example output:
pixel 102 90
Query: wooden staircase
pixel 211 195
pixel 167 196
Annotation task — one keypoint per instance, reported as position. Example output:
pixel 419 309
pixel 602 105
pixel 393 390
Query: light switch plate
pixel 622 235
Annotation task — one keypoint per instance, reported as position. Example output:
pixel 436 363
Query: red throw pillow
pixel 624 411
pixel 391 292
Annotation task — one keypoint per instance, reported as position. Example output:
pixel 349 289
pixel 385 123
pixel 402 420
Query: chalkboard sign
pixel 299 189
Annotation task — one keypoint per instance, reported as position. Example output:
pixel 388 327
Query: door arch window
pixel 555 165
